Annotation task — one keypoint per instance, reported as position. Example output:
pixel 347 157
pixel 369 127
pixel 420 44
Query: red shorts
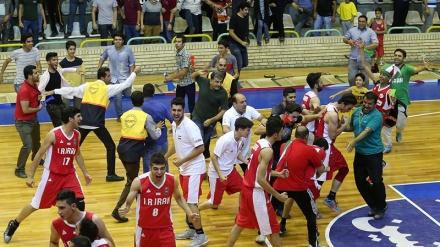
pixel 232 185
pixel 162 237
pixel 315 191
pixel 191 187
pixel 379 49
pixel 256 212
pixel 51 184
pixel 336 161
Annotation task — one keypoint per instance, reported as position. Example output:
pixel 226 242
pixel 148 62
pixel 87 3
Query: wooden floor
pixel 413 160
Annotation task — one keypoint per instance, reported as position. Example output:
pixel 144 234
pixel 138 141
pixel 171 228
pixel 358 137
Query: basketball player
pixel 89 229
pixel 153 191
pixel 311 103
pixel 61 146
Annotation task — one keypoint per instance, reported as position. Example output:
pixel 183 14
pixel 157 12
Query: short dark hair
pixel 243 123
pixel 293 107
pixel 158 159
pixel 89 229
pixel 148 90
pixel 378 9
pixel 101 72
pixel 119 34
pixel 181 36
pixel 313 79
pixel 360 75
pixel 66 195
pixel 348 99
pixel 81 241
pixel 273 125
pixel 301 132
pixel 371 96
pixel 50 55
pixel 217 74
pixel 137 98
pixel 178 101
pixel 400 50
pixel 321 142
pixel 224 42
pixel 288 90
pixel 70 43
pixel 25 36
pixel 29 71
pixel 69 112
pixel 244 4
pixel 363 16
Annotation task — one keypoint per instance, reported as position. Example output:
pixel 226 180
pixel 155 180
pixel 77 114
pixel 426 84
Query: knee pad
pixel 80 204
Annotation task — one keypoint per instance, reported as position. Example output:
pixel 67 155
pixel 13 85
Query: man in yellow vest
pixel 95 99
pixel 136 126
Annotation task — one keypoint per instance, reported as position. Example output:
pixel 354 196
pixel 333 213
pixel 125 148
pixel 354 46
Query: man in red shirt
pixel 26 121
pixel 61 146
pixel 297 157
pixel 154 189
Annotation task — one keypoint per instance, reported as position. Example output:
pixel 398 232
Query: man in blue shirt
pixel 121 64
pixel 159 113
pixel 366 123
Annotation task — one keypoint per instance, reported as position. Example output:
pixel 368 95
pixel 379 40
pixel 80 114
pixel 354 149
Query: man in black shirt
pixel 324 12
pixel 239 32
pixel 52 79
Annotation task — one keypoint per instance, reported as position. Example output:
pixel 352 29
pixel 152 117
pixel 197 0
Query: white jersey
pixel 187 137
pixel 306 105
pixel 229 120
pixel 100 243
pixel 227 150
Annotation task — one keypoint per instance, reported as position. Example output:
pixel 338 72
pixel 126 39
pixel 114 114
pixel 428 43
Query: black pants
pixel 105 137
pixel 55 15
pixel 306 203
pixel 54 112
pixel 370 166
pixel 401 8
pixel 132 171
pixel 278 25
pixel 190 91
pixel 218 29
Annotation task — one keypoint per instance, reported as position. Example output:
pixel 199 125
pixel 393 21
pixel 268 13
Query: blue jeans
pixel 131 32
pixel 304 16
pixel 326 20
pixel 74 4
pixel 104 30
pixel 241 54
pixel 152 148
pixel 206 135
pixel 346 25
pixel 118 99
pixel 168 35
pixel 33 27
pixel 428 19
pixel 262 24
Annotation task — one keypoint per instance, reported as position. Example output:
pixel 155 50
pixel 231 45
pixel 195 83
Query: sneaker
pixel 67 35
pixel 260 239
pixel 199 240
pixel 387 150
pixel 372 212
pixel 85 34
pixel 259 43
pixel 281 39
pixel 11 37
pixel 9 232
pixel 280 213
pixel 54 34
pixel 379 213
pixel 61 29
pixel 283 230
pixel 192 30
pixel 116 216
pixel 384 164
pixel 267 41
pixel 187 234
pixel 399 137
pixel 333 205
pixel 95 31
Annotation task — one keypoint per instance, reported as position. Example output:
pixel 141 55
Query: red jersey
pixel 322 128
pixel 60 156
pixel 100 243
pixel 67 231
pixel 299 156
pixel 154 202
pixel 306 105
pixel 250 177
pixel 378 27
pixel 29 93
pixel 383 104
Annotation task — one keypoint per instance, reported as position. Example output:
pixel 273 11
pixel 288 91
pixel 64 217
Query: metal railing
pixel 227 34
pixel 145 38
pixel 194 36
pixel 432 27
pixel 93 41
pixel 323 30
pixel 404 28
pixel 11 45
pixel 50 43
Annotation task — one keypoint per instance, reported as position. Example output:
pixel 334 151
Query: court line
pixel 424 114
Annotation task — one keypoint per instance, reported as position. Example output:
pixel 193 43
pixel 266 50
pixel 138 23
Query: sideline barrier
pixel 227 34
pixel 194 36
pixel 404 28
pixel 92 41
pixel 50 42
pixel 144 38
pixel 323 30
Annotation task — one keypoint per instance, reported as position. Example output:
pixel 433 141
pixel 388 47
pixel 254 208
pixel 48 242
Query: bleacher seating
pixel 76 32
pixel 365 2
pixel 17 33
pixel 355 22
pixel 383 1
pixel 389 17
pixel 65 8
pixel 435 21
pixel 206 25
pixel 48 32
pixel 413 18
pixel 180 25
pixel 287 22
pixel 370 15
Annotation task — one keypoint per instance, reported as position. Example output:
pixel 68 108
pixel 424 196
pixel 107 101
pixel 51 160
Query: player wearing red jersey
pixel 61 146
pixel 256 210
pixel 153 191
pixel 65 226
pixel 89 229
pixel 311 103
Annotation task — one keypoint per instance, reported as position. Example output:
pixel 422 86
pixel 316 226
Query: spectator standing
pixel 107 17
pixel 231 66
pixel 428 9
pixel 28 17
pixel 81 5
pixel 324 12
pixel 152 19
pixel 55 16
pixel 347 12
pixel 277 7
pixel 220 18
pixel 401 8
pixel 239 32
pixel 379 26
pixel 5 16
pixel 168 11
pixel 132 19
pixel 262 15
pixel 305 10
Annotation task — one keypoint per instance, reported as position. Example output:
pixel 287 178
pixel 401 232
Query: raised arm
pixel 102 230
pixel 365 65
